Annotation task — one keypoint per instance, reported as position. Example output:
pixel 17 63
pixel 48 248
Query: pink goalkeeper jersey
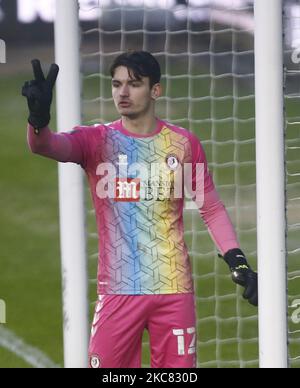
pixel 139 217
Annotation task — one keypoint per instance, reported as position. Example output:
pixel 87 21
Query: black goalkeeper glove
pixel 242 274
pixel 39 93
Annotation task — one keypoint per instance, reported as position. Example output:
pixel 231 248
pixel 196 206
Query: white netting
pixel 206 54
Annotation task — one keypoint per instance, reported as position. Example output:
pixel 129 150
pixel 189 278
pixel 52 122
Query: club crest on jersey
pixel 95 362
pixel 172 162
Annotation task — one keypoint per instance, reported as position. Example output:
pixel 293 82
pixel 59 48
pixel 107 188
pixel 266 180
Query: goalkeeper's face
pixel 133 97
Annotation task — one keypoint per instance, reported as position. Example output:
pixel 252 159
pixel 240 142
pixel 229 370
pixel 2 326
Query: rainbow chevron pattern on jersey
pixel 141 237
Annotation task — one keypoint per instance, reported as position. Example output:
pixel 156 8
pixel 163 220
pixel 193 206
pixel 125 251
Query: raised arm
pixel 62 147
pixel 39 93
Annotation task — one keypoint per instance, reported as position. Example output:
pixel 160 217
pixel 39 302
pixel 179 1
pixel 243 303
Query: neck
pixel 141 125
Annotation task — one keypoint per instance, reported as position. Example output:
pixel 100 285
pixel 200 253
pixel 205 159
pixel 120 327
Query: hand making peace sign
pixel 39 93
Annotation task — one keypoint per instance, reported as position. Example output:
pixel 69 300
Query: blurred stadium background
pixel 220 109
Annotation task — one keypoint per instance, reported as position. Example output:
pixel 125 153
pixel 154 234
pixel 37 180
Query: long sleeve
pixel 62 147
pixel 217 220
pixel 211 208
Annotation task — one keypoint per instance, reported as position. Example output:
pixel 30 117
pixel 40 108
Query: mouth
pixel 124 104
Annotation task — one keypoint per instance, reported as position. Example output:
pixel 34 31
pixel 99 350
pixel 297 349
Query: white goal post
pixel 270 186
pixel 71 190
pixel 270 178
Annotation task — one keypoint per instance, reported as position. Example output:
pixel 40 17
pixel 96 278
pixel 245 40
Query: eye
pixel 135 84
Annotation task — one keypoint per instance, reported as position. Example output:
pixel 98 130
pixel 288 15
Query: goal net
pixel 206 51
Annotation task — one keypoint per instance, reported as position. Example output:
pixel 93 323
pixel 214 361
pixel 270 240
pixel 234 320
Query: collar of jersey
pixel 159 127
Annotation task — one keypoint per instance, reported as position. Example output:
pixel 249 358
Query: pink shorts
pixel 119 323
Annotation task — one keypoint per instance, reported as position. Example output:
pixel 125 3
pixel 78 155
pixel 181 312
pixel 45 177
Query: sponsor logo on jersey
pixel 127 190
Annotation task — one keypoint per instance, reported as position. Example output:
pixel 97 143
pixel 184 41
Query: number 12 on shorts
pixel 184 335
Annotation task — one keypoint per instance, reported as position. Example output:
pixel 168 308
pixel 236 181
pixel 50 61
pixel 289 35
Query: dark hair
pixel 140 63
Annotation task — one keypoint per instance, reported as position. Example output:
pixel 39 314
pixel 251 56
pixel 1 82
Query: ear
pixel 156 91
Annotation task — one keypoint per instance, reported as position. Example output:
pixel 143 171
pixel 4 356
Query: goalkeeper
pixel 144 273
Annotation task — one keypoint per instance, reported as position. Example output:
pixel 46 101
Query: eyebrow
pixel 130 81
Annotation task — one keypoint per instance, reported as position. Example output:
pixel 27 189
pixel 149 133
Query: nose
pixel 124 91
